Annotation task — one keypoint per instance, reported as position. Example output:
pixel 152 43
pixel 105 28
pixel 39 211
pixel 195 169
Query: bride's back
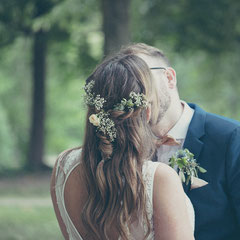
pixel 70 195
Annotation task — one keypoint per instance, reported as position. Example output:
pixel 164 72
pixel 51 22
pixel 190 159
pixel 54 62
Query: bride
pixel 109 188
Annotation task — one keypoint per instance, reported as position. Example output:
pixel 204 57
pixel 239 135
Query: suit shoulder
pixel 220 131
pixel 212 123
pixel 221 123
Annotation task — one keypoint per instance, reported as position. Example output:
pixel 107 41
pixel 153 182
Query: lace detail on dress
pixel 149 169
pixel 66 162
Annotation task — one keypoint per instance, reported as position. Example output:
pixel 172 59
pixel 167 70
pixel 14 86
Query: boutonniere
pixel 188 168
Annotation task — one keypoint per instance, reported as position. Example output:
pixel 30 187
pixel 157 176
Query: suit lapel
pixel 195 131
pixel 193 144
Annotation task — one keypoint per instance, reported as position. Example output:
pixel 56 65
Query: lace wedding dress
pixel 66 165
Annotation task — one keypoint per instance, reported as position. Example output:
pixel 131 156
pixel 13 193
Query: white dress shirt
pixel 179 132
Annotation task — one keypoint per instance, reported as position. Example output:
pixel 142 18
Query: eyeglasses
pixel 153 68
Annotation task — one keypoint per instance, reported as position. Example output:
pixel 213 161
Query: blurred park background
pixel 49 47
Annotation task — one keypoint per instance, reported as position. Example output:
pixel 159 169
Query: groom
pixel 214 141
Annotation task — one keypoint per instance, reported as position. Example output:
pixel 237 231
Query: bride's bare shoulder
pixel 171 220
pixel 165 173
pixel 166 186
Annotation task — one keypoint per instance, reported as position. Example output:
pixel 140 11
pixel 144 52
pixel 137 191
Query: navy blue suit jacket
pixel 215 142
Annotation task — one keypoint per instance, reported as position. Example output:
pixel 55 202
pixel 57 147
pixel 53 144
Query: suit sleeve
pixel 233 171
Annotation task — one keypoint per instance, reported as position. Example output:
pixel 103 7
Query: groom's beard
pixel 163 105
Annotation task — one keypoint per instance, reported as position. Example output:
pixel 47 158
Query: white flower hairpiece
pixel 135 100
pixel 90 97
pixel 101 119
pixel 104 124
pixel 94 120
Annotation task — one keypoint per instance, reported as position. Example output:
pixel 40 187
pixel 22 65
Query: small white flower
pixel 94 120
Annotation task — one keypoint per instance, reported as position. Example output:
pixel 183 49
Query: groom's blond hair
pixel 142 48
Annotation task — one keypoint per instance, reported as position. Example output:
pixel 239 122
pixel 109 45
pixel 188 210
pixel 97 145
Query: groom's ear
pixel 172 78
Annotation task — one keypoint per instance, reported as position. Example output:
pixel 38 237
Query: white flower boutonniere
pixel 188 168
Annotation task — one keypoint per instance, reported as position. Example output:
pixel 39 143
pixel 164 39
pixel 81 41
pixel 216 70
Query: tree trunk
pixel 115 24
pixel 36 145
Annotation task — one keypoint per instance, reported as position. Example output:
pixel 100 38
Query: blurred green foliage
pixel 26 210
pixel 201 39
pixel 28 223
pixel 15 95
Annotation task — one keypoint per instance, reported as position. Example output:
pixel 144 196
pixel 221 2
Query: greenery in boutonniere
pixel 188 167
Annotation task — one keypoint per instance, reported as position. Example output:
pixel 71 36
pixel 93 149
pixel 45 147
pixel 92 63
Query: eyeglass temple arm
pixel 158 68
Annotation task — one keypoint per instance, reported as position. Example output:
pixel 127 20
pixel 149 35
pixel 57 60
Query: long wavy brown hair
pixel 116 191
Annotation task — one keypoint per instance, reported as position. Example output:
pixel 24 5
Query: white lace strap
pixel 149 169
pixel 65 165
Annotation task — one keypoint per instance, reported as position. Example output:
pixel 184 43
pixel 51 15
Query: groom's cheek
pixel 154 108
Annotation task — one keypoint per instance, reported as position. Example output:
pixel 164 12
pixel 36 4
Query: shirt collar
pixel 179 130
